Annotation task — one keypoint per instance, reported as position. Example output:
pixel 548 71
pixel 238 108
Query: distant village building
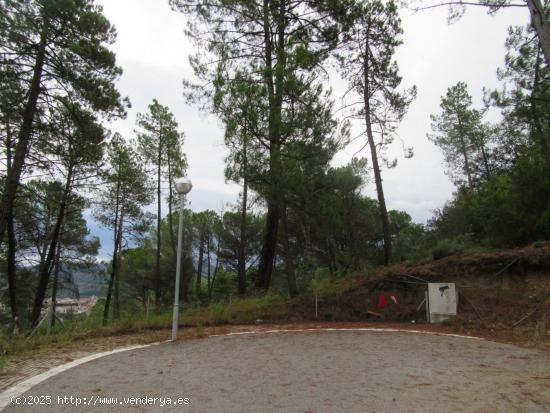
pixel 73 305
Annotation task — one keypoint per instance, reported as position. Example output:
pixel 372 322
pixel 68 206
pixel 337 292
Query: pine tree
pixel 160 146
pixel 525 97
pixel 74 139
pixel 39 206
pixel 461 135
pixel 125 191
pixel 54 49
pixel 10 117
pixel 274 50
pixel 367 62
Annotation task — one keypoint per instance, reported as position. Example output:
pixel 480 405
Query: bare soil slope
pixel 503 295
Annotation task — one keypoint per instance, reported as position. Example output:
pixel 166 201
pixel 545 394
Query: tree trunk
pixel 12 271
pixel 275 92
pixel 199 264
pixel 466 162
pixel 332 265
pixel 375 166
pixel 217 266
pixel 289 263
pixel 44 271
pixel 157 264
pixel 23 142
pixel 11 244
pixel 113 287
pixel 306 233
pixel 541 24
pixel 186 276
pixel 115 252
pixel 537 132
pixel 208 241
pixel 269 245
pixel 354 259
pixel 116 293
pixel 480 143
pixel 57 267
pixel 208 265
pixel 116 269
pixel 241 258
pixel 109 294
pixel 215 273
pixel 382 206
pixel 485 160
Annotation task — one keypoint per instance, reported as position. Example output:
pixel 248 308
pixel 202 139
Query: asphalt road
pixel 323 371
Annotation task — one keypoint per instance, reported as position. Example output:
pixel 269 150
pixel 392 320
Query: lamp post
pixel 183 186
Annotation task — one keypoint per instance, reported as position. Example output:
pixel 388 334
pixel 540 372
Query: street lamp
pixel 183 186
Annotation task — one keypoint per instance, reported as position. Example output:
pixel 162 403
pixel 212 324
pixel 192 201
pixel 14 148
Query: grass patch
pixel 241 311
pixel 454 246
pixel 446 248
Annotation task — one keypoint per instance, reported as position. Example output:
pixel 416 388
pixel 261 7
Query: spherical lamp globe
pixel 183 185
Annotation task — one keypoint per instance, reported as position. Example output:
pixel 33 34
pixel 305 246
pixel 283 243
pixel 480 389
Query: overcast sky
pixel 153 52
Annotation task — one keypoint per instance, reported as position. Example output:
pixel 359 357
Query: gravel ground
pixel 24 366
pixel 318 371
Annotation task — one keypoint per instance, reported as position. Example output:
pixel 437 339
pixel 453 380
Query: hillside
pixel 504 294
pixel 91 281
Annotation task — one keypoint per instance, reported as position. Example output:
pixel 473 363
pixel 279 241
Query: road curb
pixel 379 330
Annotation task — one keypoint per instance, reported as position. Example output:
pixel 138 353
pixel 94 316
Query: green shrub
pixel 446 248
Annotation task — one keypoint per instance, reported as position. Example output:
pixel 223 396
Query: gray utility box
pixel 442 302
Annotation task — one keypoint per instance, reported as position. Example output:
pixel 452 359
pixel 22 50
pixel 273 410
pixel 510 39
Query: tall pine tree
pixel 367 62
pixel 275 50
pixel 54 49
pixel 160 145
